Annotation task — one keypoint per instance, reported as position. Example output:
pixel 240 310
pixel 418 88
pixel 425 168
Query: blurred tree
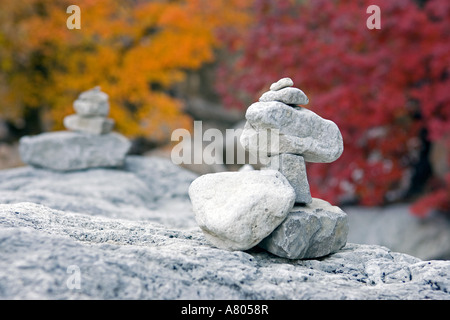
pixel 135 50
pixel 384 88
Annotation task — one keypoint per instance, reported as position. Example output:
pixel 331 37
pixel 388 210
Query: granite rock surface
pixel 52 254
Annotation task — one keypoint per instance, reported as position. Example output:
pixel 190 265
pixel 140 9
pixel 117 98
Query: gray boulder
pixel 300 130
pixel 66 151
pixel 289 95
pixel 236 210
pixel 51 254
pixel 309 231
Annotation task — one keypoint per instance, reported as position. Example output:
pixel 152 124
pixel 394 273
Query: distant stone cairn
pixel 89 143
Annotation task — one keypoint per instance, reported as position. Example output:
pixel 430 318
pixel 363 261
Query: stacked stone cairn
pixel 89 143
pixel 272 208
pixel 92 108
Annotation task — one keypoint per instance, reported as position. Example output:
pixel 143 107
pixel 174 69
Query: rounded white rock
pixel 91 103
pixel 282 83
pixel 236 210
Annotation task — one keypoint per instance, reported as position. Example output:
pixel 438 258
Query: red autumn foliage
pixel 381 87
pixel 439 198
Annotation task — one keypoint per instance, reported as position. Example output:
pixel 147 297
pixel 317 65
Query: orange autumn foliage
pixel 134 50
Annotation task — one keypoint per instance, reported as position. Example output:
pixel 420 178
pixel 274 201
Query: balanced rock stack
pixel 302 135
pixel 90 143
pixel 92 109
pixel 272 208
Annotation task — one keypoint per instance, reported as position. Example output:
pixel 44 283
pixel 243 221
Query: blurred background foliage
pixel 166 63
pixel 136 51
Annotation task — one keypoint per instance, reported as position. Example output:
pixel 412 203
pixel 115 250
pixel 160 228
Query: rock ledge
pixel 122 259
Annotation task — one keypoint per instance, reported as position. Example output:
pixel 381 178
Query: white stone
pixel 89 109
pixel 236 210
pixel 94 125
pixel 293 168
pixel 91 103
pixel 287 95
pixel 282 83
pixel 309 231
pixel 257 145
pixel 301 132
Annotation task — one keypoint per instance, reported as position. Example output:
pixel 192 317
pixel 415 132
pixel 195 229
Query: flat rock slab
pixel 309 231
pixel 67 151
pixel 94 125
pixel 41 248
pixel 236 210
pixel 300 130
pixel 287 95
